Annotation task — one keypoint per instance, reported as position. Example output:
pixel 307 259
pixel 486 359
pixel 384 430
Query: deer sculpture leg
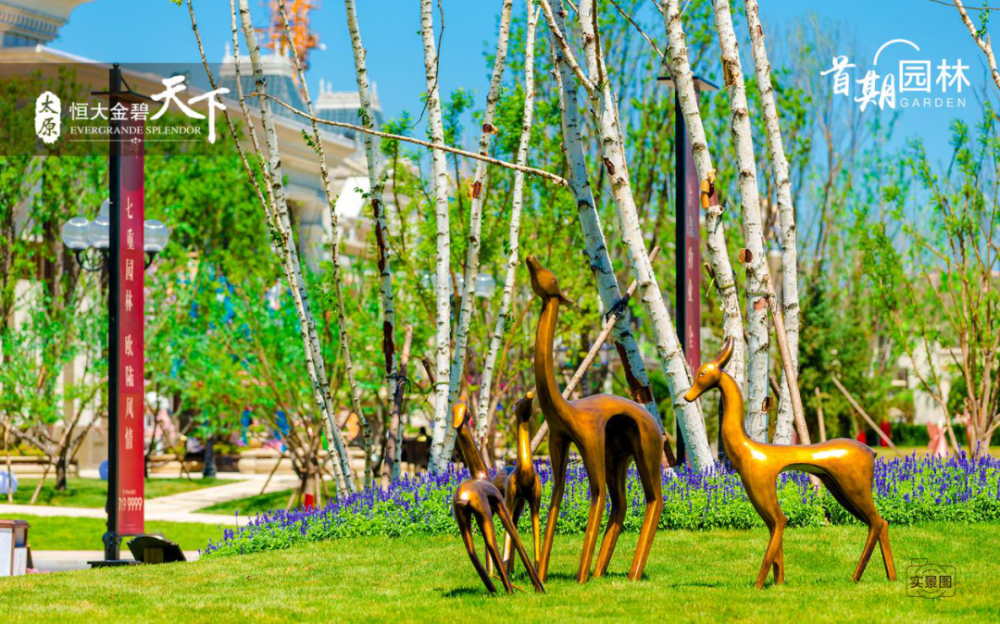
pixel 511 529
pixel 765 501
pixel 558 458
pixel 493 550
pixel 647 463
pixel 858 501
pixel 535 507
pixel 465 528
pixel 598 493
pixel 616 474
pixel 517 508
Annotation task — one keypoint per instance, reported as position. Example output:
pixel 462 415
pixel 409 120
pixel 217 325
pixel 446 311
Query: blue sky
pixel 159 31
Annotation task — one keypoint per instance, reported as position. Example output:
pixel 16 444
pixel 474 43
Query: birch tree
pixel 442 285
pixel 715 243
pixel 786 214
pixel 981 37
pixel 336 277
pixel 678 376
pixel 475 224
pixel 760 292
pixel 376 186
pixel 288 253
pixel 596 246
pixel 758 342
pixel 513 259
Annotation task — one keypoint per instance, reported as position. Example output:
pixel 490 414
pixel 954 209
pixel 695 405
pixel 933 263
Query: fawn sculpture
pixel 846 468
pixel 609 432
pixel 522 486
pixel 479 498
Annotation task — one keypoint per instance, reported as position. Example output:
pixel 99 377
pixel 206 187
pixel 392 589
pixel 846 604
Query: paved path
pixel 65 560
pixel 187 502
pixel 173 508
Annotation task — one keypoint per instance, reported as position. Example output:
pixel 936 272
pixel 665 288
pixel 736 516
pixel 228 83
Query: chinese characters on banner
pixel 131 371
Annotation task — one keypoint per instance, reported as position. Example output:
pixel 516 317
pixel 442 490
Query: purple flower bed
pixel 907 490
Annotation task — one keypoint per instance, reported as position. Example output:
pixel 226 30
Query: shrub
pixel 906 491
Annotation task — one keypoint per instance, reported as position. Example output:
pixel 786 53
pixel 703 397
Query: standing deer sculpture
pixel 522 486
pixel 609 432
pixel 478 498
pixel 846 468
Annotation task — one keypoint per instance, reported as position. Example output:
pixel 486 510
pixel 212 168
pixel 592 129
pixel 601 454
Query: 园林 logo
pixel 48 123
pixel 914 83
pixel 930 580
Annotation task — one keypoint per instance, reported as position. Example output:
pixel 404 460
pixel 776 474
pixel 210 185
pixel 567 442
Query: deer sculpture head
pixel 710 373
pixel 522 409
pixel 544 282
pixel 459 414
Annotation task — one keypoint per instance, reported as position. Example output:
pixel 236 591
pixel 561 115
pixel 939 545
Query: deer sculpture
pixel 521 485
pixel 609 432
pixel 478 498
pixel 846 468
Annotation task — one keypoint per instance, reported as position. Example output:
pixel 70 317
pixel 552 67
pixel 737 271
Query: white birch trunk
pixel 331 201
pixel 442 287
pixel 758 284
pixel 595 243
pixel 376 183
pixel 718 254
pixel 290 259
pixel 786 215
pixel 613 157
pixel 475 221
pixel 517 202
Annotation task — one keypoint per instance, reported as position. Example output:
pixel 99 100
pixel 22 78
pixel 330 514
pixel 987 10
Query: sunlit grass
pixel 705 576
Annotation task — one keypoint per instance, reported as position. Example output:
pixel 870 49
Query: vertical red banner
pixel 131 343
pixel 692 262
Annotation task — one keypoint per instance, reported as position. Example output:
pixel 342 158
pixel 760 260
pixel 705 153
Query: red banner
pixel 691 336
pixel 131 369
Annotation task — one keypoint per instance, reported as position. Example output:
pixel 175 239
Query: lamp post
pixel 80 236
pixel 83 237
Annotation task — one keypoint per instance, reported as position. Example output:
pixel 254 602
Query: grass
pixel 93 493
pixel 691 576
pixel 887 453
pixel 250 505
pixel 62 533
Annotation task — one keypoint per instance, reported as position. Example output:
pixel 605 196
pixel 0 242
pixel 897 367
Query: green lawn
pixel 705 576
pixel 93 493
pixel 250 505
pixel 62 533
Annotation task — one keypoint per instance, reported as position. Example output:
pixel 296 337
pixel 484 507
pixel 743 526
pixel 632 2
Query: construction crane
pixel 298 21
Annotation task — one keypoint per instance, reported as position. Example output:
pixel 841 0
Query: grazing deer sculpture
pixel 478 498
pixel 609 432
pixel 522 486
pixel 846 468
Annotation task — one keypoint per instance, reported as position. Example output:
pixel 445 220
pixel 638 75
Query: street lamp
pixel 80 235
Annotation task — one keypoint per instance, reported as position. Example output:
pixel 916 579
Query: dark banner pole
pixel 126 352
pixel 112 540
pixel 687 242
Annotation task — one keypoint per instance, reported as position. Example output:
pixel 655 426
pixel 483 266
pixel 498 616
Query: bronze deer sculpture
pixel 522 486
pixel 846 468
pixel 609 432
pixel 478 498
